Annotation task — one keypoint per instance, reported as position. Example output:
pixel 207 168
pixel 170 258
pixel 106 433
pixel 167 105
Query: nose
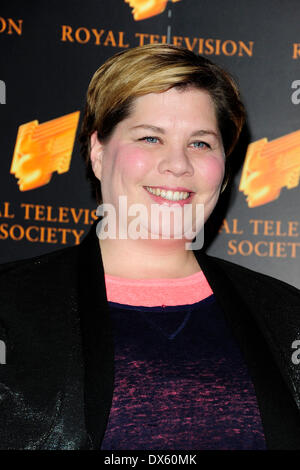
pixel 175 160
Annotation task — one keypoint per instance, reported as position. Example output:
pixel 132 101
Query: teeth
pixel 170 195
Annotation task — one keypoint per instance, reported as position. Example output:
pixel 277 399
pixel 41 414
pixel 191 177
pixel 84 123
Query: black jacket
pixel 57 384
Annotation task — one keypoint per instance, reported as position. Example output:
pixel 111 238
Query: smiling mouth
pixel 168 194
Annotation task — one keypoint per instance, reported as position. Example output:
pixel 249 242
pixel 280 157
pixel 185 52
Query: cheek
pixel 212 170
pixel 133 163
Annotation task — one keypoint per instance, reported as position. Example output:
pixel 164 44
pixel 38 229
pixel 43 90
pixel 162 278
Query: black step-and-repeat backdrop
pixel 49 51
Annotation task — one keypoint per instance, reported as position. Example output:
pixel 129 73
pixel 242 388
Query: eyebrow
pixel 148 126
pixel 205 132
pixel 200 133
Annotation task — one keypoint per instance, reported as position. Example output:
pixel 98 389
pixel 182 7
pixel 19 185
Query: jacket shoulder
pixel 253 281
pixel 34 289
pixel 54 258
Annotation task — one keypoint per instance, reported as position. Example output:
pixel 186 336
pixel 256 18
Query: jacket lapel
pixel 97 340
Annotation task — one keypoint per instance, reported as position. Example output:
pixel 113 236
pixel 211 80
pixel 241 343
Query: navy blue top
pixel 181 382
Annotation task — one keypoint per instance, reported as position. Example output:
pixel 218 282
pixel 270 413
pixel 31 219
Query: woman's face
pixel 170 141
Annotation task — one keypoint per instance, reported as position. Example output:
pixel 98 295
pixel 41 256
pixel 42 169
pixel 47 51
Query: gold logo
pixel 143 9
pixel 42 149
pixel 269 167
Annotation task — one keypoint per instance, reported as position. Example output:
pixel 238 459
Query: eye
pixel 150 139
pixel 200 145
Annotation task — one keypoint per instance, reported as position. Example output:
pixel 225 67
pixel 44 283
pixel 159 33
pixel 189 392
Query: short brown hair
pixel 156 68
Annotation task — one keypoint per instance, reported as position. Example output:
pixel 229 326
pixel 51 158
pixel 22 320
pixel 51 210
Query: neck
pixel 146 259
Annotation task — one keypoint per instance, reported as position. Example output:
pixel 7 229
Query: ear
pixel 96 155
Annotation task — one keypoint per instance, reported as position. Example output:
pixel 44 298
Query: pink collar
pixel 156 292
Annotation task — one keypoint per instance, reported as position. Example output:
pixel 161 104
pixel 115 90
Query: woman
pixel 133 340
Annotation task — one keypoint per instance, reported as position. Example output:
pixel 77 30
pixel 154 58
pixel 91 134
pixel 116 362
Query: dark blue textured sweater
pixel 180 382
